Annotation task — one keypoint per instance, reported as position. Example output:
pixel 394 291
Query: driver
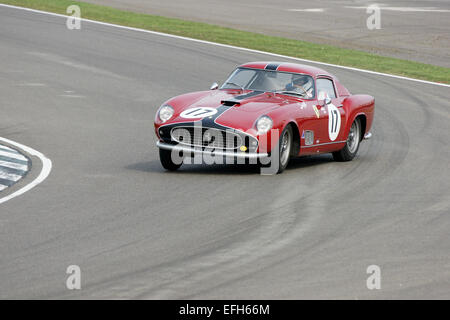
pixel 301 84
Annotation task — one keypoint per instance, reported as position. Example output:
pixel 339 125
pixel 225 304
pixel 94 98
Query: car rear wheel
pixel 165 156
pixel 351 147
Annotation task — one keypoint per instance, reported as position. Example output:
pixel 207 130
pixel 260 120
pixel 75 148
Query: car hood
pixel 241 108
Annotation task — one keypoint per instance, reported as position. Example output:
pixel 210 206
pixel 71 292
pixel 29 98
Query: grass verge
pixel 279 45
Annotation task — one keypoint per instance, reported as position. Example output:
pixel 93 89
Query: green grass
pixel 279 45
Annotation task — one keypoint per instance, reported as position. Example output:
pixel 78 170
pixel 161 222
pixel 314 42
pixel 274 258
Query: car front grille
pixel 207 137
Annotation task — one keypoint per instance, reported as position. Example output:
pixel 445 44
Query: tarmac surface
pixel 87 98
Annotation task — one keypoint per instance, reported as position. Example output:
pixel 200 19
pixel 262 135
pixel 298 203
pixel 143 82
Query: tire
pixel 352 146
pixel 285 145
pixel 165 156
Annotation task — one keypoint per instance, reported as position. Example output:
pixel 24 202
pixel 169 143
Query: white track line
pixel 406 9
pixel 229 46
pixel 306 10
pixel 46 168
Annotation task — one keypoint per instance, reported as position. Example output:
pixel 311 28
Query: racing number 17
pixel 334 121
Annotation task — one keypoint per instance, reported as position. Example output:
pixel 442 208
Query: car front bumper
pixel 210 152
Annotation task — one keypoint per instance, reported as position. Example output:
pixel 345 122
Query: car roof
pixel 287 67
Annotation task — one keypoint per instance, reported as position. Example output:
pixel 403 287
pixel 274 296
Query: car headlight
pixel 165 113
pixel 264 124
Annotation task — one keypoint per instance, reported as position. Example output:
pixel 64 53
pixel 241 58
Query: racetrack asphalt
pixel 87 98
pixel 409 29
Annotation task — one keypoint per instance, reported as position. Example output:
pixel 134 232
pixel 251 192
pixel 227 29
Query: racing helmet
pixel 305 81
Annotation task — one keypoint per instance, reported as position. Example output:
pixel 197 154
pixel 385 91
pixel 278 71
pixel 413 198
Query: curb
pixel 13 166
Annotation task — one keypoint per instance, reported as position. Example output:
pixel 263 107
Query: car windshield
pixel 271 81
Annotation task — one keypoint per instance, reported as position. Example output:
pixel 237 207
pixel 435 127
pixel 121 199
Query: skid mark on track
pixel 74 64
pixel 281 225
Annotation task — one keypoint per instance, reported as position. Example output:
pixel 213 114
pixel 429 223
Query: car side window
pixel 325 86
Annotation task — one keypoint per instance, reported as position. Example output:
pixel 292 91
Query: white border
pixel 231 47
pixel 46 168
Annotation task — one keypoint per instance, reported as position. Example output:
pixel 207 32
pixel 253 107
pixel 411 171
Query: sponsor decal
pixel 199 112
pixel 316 111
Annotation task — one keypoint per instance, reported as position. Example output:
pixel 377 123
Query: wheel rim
pixel 353 137
pixel 285 148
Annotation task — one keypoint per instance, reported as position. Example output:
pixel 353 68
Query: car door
pixel 332 115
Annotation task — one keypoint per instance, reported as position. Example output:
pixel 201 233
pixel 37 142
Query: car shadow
pixel 309 161
pixel 230 169
pixel 155 167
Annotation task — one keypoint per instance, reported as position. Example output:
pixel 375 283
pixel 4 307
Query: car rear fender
pixel 361 106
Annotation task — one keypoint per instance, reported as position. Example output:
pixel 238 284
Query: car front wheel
pixel 285 148
pixel 283 152
pixel 165 156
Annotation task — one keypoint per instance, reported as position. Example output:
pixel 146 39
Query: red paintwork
pixel 283 109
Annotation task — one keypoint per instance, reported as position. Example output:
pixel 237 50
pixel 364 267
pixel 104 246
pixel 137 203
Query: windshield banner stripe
pixel 272 66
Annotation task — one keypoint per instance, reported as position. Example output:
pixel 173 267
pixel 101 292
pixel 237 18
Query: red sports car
pixel 265 113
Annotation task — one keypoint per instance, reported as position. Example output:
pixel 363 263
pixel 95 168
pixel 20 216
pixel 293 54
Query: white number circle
pixel 199 112
pixel 334 122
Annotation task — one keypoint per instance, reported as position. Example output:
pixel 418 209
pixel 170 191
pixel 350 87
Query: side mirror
pixel 214 86
pixel 323 95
